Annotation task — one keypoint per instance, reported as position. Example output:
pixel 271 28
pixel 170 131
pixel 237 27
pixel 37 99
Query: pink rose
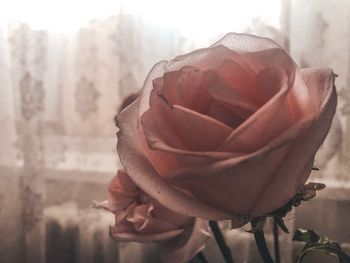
pixel 138 217
pixel 236 124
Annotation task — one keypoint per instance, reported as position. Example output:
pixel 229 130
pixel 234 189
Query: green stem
pixel 261 244
pixel 225 251
pixel 276 241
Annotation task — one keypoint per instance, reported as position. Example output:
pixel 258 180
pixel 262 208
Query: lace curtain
pixel 63 76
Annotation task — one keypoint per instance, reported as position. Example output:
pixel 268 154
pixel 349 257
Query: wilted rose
pixel 236 124
pixel 138 217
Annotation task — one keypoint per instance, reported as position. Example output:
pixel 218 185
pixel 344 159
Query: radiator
pixel 82 236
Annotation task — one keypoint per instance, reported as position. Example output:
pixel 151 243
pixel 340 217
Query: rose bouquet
pixel 227 132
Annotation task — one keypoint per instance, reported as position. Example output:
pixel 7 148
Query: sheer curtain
pixel 66 66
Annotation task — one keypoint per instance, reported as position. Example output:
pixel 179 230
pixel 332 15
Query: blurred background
pixel 64 68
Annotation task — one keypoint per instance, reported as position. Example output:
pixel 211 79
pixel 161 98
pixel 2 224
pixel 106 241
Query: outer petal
pixel 318 81
pixel 297 166
pixel 207 58
pixel 132 151
pixel 236 184
pixel 185 246
pixel 128 100
pixel 246 43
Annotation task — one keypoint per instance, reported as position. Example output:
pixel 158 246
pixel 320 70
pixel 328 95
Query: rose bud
pixel 138 217
pixel 236 125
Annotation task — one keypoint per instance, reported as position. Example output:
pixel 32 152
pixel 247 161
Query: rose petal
pixel 121 192
pixel 145 223
pixel 207 93
pixel 199 131
pixel 228 85
pixel 203 134
pixel 185 157
pixel 264 125
pixel 233 182
pixel 205 58
pixel 157 71
pixel 186 245
pixel 128 100
pixel 279 58
pixel 131 150
pixel 164 214
pixel 242 43
pixel 227 114
pixel 236 188
pixel 119 235
pixel 186 87
pixel 318 82
pixel 298 164
pixel 268 84
pixel 270 58
pixel 159 112
pixel 239 84
pixel 122 183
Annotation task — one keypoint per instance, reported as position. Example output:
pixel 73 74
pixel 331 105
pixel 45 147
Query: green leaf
pixel 281 224
pixel 317 243
pixel 284 210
